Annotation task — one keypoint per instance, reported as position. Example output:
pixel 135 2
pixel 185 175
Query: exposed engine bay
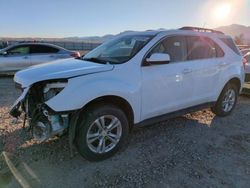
pixel 42 121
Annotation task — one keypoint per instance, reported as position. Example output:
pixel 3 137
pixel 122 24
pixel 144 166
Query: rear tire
pixel 227 100
pixel 103 131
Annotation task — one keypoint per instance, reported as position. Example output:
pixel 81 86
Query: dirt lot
pixel 195 150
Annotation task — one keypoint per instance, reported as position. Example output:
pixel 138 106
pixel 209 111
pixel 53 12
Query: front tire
pixel 227 100
pixel 102 132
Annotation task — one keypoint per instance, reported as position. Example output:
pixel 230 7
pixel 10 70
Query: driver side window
pixel 175 47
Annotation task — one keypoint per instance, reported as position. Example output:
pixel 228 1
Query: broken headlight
pixel 52 89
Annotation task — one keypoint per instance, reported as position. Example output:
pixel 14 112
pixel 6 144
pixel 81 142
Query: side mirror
pixel 158 58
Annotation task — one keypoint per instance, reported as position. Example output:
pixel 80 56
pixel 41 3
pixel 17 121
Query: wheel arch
pixel 234 80
pixel 118 101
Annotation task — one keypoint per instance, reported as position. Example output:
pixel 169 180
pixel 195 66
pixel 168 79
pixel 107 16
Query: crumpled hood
pixel 58 70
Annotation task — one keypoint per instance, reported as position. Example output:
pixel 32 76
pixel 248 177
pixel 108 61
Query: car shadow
pixel 56 151
pixel 182 141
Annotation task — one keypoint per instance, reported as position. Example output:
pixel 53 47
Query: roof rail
pixel 200 29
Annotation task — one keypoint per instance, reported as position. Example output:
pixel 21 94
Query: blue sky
pixel 64 18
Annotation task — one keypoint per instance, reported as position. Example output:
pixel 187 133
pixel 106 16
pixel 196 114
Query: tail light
pixel 75 54
pixel 244 63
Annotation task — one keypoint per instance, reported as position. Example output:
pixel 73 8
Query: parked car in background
pixel 4 44
pixel 135 79
pixel 23 55
pixel 245 51
pixel 247 66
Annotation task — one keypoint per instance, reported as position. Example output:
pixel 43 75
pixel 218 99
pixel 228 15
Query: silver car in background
pixel 22 55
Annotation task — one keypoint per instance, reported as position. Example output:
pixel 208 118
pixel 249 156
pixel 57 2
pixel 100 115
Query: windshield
pixel 118 50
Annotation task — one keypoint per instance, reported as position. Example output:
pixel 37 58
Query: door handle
pixel 186 71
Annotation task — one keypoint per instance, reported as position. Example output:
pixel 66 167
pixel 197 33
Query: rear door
pixel 42 54
pixel 16 58
pixel 206 57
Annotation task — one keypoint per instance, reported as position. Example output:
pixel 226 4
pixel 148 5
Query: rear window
pixel 230 43
pixel 42 49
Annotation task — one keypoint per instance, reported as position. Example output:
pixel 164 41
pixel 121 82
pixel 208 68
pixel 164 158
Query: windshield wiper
pixel 96 60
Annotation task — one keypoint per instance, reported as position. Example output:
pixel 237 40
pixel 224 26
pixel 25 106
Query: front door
pixel 167 87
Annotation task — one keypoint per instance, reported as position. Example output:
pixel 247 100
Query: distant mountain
pixel 233 30
pixel 236 30
pixel 96 39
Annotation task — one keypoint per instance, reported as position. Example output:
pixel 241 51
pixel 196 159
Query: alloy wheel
pixel 228 100
pixel 104 134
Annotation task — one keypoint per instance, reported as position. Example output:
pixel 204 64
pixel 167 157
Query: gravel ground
pixel 195 150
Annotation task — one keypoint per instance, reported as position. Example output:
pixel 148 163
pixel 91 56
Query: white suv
pixel 135 79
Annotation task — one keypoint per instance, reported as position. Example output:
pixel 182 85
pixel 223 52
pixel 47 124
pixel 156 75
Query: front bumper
pixel 14 110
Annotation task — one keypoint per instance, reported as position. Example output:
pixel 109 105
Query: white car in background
pixel 23 55
pixel 245 51
pixel 247 66
pixel 135 79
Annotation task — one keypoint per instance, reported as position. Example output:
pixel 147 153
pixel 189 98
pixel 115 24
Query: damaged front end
pixel 43 122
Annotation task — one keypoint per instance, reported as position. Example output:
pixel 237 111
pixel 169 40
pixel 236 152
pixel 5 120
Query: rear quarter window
pixel 230 43
pixel 219 51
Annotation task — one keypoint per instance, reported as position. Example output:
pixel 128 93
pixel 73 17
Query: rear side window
pixel 174 46
pixel 230 43
pixel 42 49
pixel 202 48
pixel 219 51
